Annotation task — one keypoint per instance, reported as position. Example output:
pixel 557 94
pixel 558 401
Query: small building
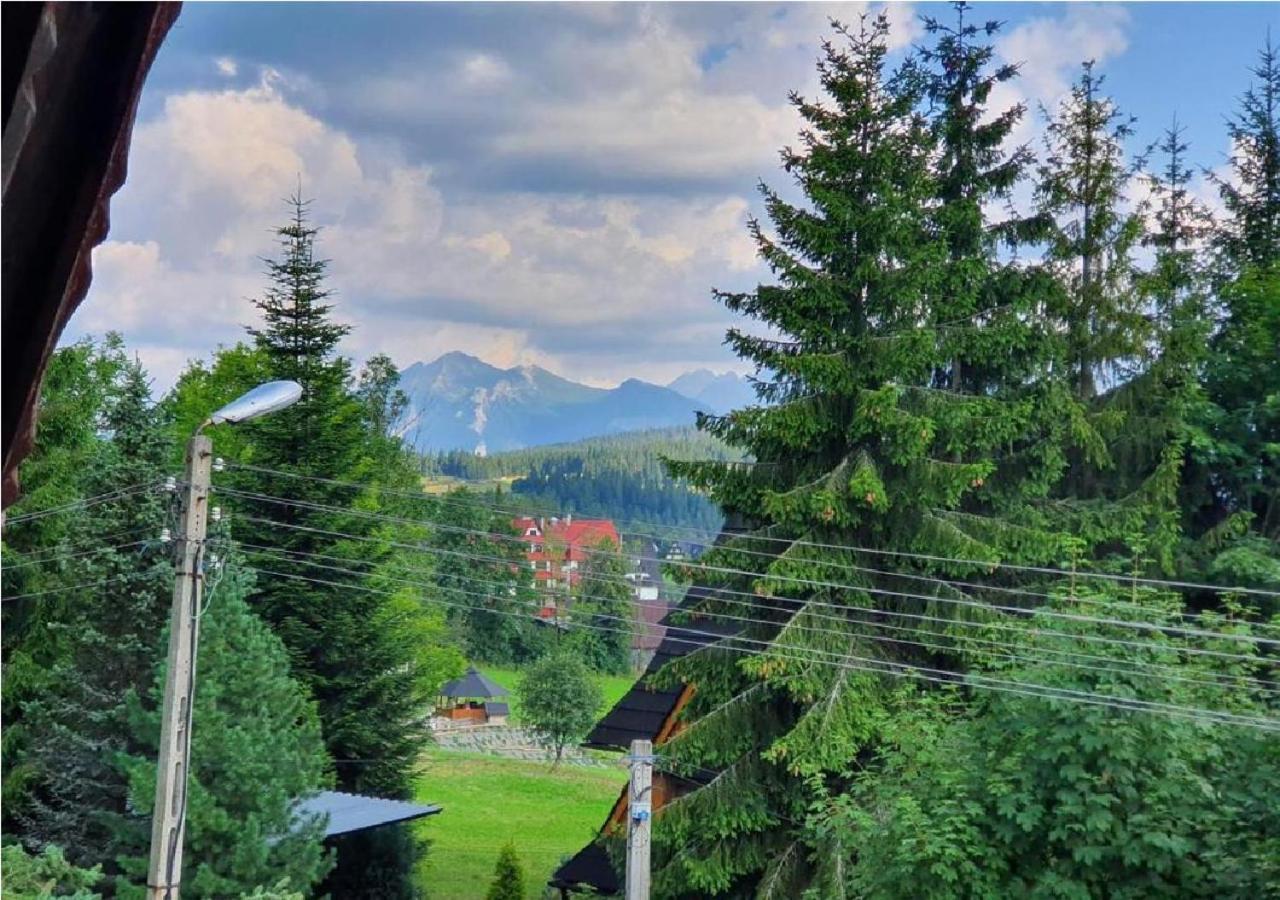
pixel 473 700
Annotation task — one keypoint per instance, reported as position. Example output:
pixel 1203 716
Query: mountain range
pixel 459 402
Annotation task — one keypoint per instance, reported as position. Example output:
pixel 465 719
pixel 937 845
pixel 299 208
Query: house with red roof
pixel 557 549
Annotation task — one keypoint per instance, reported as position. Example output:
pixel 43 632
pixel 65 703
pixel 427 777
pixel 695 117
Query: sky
pixel 552 184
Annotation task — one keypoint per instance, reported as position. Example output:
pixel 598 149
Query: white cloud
pixel 226 66
pixel 484 71
pixel 593 286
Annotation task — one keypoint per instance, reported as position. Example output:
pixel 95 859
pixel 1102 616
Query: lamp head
pixel 262 400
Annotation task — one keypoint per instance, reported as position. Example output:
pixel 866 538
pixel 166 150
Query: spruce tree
pixel 1082 183
pixel 334 621
pixel 906 413
pixel 508 879
pixel 1251 194
pixel 256 750
pixel 1242 421
pixel 1123 354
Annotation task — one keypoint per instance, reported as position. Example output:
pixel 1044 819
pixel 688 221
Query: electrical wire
pixel 26 564
pixel 807 582
pixel 983 564
pixel 72 587
pixel 1044 632
pixel 1233 681
pixel 887 667
pixel 957 584
pixel 691 566
pixel 83 503
pixel 627 631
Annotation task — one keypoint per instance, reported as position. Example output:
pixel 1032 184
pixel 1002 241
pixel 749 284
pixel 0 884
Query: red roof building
pixel 557 549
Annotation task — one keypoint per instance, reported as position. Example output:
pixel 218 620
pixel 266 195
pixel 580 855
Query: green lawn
pixel 612 686
pixel 488 801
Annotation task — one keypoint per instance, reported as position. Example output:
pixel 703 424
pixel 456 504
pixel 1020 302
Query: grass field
pixel 488 801
pixel 612 686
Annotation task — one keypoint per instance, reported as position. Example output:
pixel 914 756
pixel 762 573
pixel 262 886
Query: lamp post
pixel 168 820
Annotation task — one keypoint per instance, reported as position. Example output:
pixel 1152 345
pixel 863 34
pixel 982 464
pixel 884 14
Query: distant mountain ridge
pixel 720 393
pixel 459 402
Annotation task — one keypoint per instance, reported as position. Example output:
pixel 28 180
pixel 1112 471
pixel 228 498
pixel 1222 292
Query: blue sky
pixel 558 184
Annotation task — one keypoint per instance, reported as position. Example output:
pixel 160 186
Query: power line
pixel 1041 632
pixel 759 576
pixel 72 587
pixel 983 564
pixel 83 503
pixel 52 554
pixel 1235 681
pixel 807 582
pixel 26 564
pixel 896 669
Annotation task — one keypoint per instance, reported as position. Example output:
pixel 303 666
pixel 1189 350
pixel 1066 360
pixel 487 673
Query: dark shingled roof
pixel 589 870
pixel 355 812
pixel 640 713
pixel 473 684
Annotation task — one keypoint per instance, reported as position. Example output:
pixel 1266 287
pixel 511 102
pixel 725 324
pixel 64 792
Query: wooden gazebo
pixel 472 699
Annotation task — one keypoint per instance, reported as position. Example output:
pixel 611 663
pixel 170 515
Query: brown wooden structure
pixel 643 713
pixel 73 73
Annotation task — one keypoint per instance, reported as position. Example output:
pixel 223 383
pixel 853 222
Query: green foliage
pixel 485 585
pixel 602 612
pixel 1012 796
pixel 559 699
pixel 508 878
pixel 83 650
pixel 334 581
pixel 45 876
pixel 256 749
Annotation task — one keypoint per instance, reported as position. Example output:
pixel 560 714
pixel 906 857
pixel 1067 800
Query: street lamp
pixel 169 817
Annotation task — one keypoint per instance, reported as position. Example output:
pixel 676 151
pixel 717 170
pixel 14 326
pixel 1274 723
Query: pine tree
pixel 1119 330
pixel 1242 381
pixel 364 675
pixel 1081 188
pixel 508 879
pixel 256 750
pixel 978 299
pixel 907 413
pixel 1251 193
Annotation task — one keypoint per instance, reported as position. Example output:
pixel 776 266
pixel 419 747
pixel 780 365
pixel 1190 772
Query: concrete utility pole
pixel 168 821
pixel 640 812
pixel 169 818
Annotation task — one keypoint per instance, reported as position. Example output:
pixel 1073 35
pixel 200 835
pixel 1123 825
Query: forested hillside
pixel 617 476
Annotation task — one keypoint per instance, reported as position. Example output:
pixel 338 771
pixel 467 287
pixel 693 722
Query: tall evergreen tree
pixel 1081 189
pixel 256 750
pixel 1251 192
pixel 363 674
pixel 1119 354
pixel 895 423
pixel 1242 421
pixel 68 447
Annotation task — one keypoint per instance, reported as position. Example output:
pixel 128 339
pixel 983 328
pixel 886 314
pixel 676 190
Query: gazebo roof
pixel 473 684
